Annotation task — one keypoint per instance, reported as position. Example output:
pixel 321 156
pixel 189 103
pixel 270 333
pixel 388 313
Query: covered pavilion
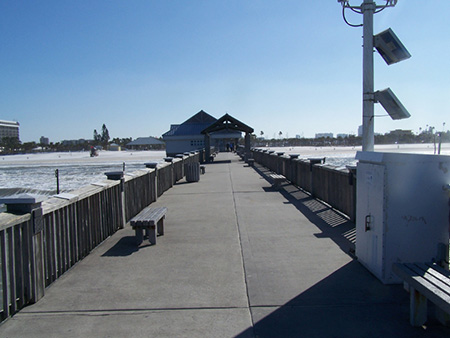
pixel 227 123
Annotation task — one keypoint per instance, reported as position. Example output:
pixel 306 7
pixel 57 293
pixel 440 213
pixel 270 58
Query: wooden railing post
pixel 118 176
pixel 37 259
pixel 28 204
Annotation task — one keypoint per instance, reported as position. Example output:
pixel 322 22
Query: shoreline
pixel 414 148
pixel 107 156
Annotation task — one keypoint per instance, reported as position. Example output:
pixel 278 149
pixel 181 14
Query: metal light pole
pixel 368 9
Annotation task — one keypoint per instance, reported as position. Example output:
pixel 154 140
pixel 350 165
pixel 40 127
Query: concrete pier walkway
pixel 238 259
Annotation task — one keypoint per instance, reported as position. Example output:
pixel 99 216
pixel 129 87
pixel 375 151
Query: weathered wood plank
pixel 427 285
pixel 5 271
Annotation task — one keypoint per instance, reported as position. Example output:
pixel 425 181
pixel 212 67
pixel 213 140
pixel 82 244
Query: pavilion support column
pixel 207 148
pixel 247 147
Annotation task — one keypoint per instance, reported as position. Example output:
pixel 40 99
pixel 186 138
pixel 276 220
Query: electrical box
pixel 402 210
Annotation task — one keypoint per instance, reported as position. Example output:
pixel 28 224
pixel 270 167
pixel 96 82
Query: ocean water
pixel 35 173
pixel 41 179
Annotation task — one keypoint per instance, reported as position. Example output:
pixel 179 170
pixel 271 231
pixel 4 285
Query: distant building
pixel 342 135
pixel 114 147
pixel 360 131
pixel 188 136
pixel 400 132
pixel 146 143
pixel 9 129
pixel 324 135
pixel 74 142
pixel 298 136
pixel 44 141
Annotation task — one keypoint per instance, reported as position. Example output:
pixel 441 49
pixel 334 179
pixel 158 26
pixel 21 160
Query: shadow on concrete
pixel 184 182
pixel 331 223
pixel 220 161
pixel 126 246
pixel 348 303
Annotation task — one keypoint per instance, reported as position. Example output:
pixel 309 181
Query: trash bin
pixel 192 171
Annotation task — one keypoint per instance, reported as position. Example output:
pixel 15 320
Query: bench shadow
pixel 219 162
pixel 350 302
pixel 126 246
pixel 331 223
pixel 183 182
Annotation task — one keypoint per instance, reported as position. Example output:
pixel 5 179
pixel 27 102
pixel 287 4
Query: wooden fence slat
pixel 12 270
pixel 5 270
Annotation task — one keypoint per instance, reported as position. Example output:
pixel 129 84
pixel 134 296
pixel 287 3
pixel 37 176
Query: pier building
pixel 188 136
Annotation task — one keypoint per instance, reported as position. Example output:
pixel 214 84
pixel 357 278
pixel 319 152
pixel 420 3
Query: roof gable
pixel 227 122
pixel 192 126
pixel 200 117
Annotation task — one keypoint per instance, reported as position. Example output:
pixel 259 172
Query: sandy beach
pixel 150 155
pixel 424 148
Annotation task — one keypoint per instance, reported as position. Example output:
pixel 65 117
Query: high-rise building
pixel 325 135
pixel 44 141
pixel 9 129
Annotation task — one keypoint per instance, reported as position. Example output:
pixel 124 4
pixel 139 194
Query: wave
pixel 7 192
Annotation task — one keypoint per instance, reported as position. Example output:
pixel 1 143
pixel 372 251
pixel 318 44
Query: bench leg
pixel 139 235
pixel 152 234
pixel 161 227
pixel 417 308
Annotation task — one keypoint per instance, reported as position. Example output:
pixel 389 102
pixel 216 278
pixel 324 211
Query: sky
pixel 138 66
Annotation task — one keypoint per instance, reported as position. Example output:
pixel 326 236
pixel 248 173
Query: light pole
pixel 368 8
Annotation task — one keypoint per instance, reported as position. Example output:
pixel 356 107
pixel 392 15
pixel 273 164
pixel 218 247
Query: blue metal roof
pixel 192 126
pixel 143 141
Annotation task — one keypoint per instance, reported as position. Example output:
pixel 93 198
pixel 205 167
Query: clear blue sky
pixel 138 66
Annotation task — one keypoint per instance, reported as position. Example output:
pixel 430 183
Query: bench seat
pixel 151 220
pixel 277 179
pixel 426 282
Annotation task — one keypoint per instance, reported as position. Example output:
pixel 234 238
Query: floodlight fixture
pixel 390 47
pixel 391 104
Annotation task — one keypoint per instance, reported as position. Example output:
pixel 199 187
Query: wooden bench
pixel 426 282
pixel 152 221
pixel 251 162
pixel 276 179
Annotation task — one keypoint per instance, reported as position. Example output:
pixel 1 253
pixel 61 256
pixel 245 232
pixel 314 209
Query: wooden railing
pixel 335 186
pixel 40 245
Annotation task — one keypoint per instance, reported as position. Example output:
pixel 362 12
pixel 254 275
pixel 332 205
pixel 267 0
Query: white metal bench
pixel 426 282
pixel 276 179
pixel 152 221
